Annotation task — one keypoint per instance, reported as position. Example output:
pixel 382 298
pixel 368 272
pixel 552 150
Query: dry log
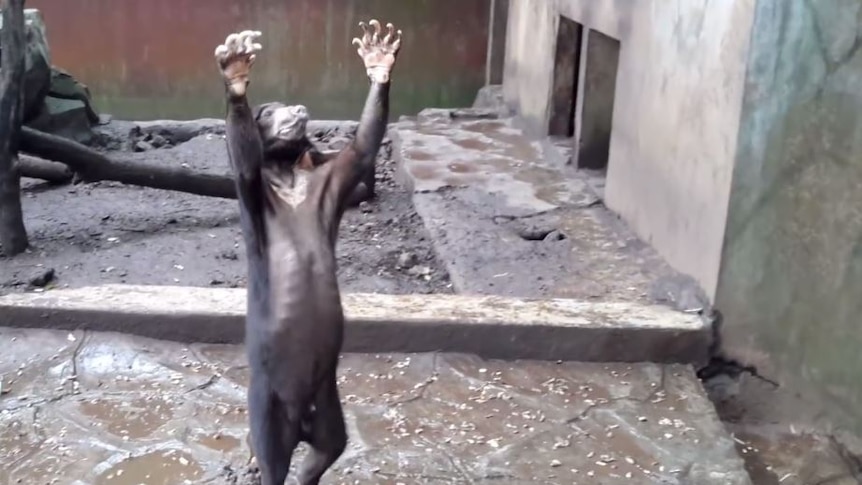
pixel 37 168
pixel 13 234
pixel 92 166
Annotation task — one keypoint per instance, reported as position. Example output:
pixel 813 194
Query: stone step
pixel 488 326
pixel 151 411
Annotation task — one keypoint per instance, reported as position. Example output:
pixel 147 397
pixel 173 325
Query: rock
pixel 64 86
pixel 64 117
pixel 37 63
pixel 42 278
pixel 247 475
pixel 158 141
pixel 407 260
pixel 364 207
pixel 419 271
pixel 141 141
pixel 141 146
pixel 533 231
pixel 54 102
pixel 229 254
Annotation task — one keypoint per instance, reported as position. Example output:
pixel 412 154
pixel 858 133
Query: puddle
pixel 224 414
pixel 553 194
pixel 503 139
pixel 512 142
pixel 490 155
pixel 472 144
pixel 219 442
pixel 134 419
pixel 458 167
pixel 538 175
pixel 423 171
pixel 461 180
pixel 157 468
pixel 420 155
pixel 547 185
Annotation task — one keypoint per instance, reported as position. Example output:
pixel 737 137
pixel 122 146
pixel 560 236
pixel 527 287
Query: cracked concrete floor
pixel 101 409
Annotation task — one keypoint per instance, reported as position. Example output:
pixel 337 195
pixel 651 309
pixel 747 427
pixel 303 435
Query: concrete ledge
pixel 491 327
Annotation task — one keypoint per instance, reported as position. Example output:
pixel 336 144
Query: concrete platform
pixel 508 218
pixel 108 409
pixel 488 326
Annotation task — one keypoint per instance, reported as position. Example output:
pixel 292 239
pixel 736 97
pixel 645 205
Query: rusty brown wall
pixel 153 58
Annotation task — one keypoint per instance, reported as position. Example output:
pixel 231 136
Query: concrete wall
pixel 498 19
pixel 736 150
pixel 679 93
pixel 791 280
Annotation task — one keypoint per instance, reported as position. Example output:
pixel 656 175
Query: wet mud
pixel 106 232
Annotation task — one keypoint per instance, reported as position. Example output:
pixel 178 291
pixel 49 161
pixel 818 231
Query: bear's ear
pixel 259 110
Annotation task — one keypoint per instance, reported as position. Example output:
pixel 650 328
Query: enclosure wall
pixel 679 90
pixel 791 275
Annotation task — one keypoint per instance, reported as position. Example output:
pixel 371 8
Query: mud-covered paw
pixel 377 51
pixel 235 58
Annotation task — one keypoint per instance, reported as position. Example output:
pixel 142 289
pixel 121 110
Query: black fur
pixel 295 322
pixel 288 153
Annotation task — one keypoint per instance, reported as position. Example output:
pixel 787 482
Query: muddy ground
pixel 106 232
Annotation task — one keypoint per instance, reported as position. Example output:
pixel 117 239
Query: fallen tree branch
pixel 92 166
pixel 37 168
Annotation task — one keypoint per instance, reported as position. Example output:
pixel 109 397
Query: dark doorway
pixel 595 109
pixel 566 63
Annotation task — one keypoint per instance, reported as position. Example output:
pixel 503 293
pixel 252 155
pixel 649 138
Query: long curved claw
pixel 232 41
pixel 375 37
pixel 360 47
pixel 397 44
pixel 366 35
pixel 390 31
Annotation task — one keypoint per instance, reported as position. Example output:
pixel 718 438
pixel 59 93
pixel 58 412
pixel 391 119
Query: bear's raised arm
pixel 372 124
pixel 378 53
pixel 235 58
pixel 245 150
